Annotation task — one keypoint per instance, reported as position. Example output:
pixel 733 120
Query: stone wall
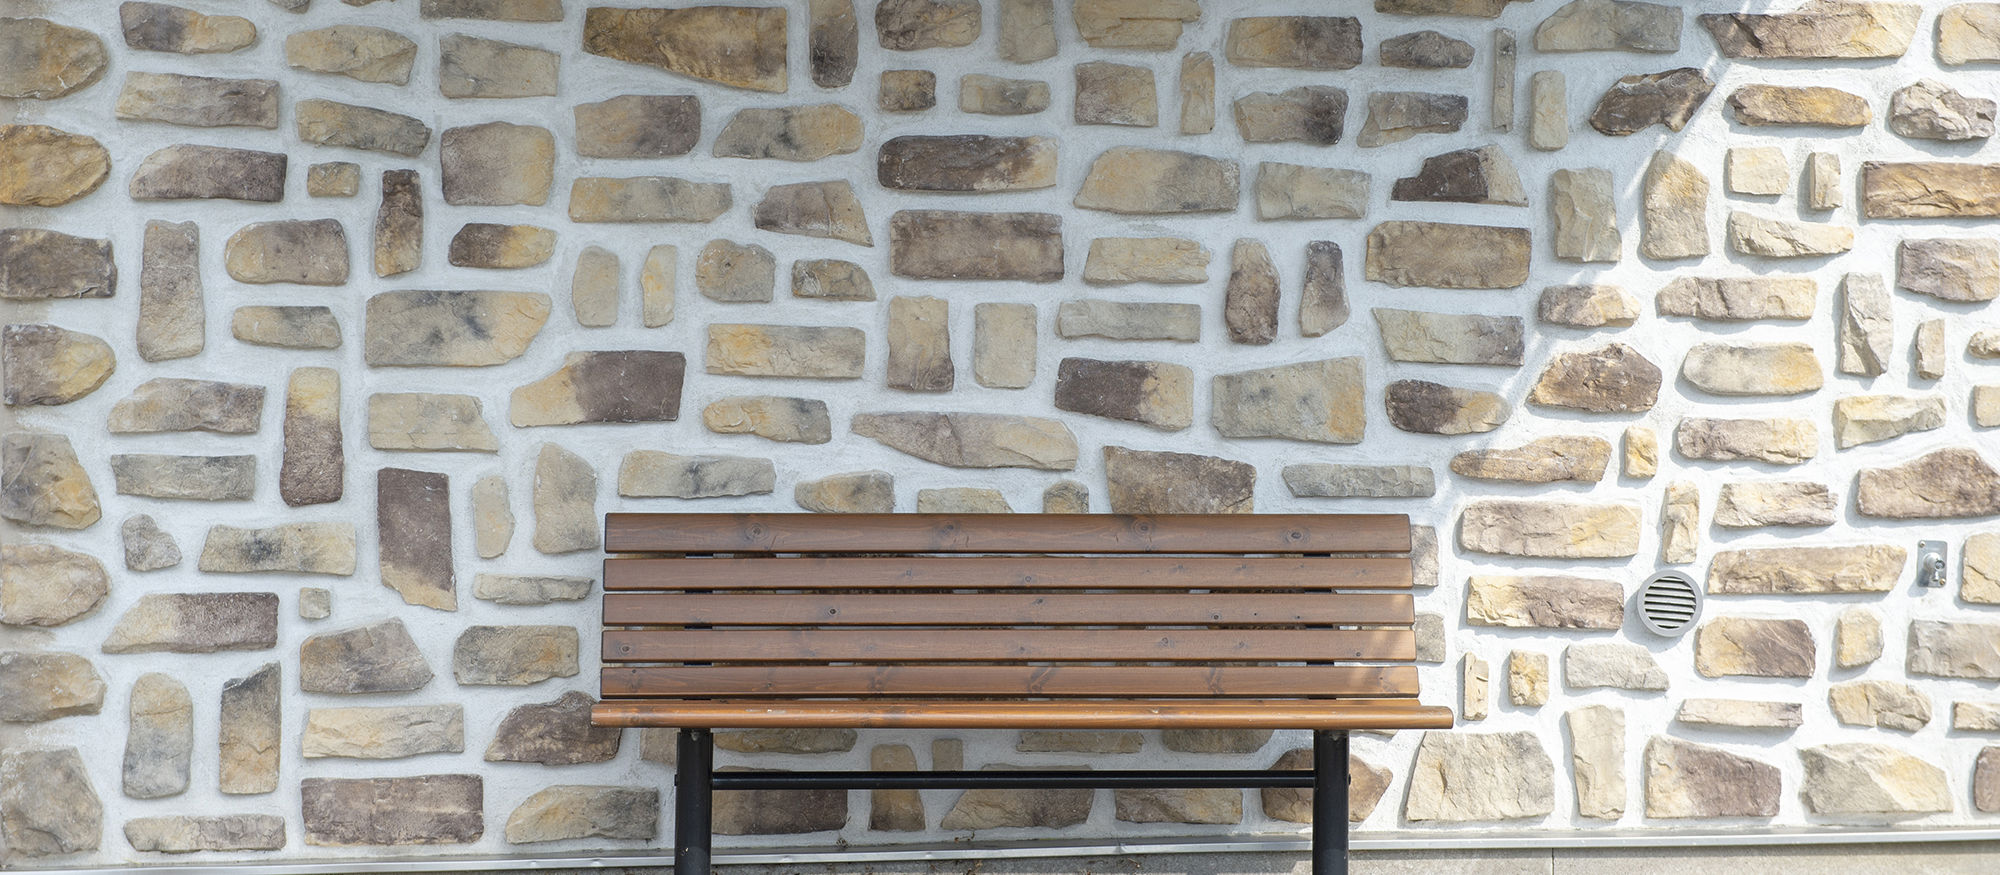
pixel 398 298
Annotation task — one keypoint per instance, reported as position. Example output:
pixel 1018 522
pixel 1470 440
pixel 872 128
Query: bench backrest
pixel 951 608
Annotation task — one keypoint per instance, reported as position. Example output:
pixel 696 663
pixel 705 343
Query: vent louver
pixel 1669 603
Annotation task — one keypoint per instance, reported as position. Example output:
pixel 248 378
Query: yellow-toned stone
pixel 1981 569
pixel 738 46
pixel 41 166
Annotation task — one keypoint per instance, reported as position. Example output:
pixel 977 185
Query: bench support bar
pixel 696 780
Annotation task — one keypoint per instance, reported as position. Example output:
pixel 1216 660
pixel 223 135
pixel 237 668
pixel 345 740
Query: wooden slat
pixel 1006 609
pixel 1131 714
pixel 1007 572
pixel 725 681
pixel 1006 533
pixel 1007 645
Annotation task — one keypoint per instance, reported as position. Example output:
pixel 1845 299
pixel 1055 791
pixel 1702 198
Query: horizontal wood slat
pixel 1006 533
pixel 1272 681
pixel 1007 609
pixel 1123 714
pixel 1008 572
pixel 1007 645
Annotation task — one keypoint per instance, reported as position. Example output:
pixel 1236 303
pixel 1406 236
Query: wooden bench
pixel 1029 621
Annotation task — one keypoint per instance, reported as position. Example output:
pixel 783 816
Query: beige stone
pixel 962 499
pixel 492 517
pixel 1867 419
pixel 738 46
pixel 792 420
pixel 1544 602
pixel 41 166
pixel 858 492
pixel 471 67
pixel 1674 208
pixel 1003 345
pixel 1115 94
pixel 1751 234
pixel 1979 581
pixel 1597 760
pixel 565 502
pixel 798 133
pixel 425 421
pixel 43 60
pixel 834 353
pixel 646 199
pixel 1318 401
pixel 383 733
pixel 1549 529
pixel 369 54
pixel 1860 778
pixel 1680 523
pixel 1585 212
pixel 1686 780
pixel 1450 338
pixel 1778 441
pixel 1120 260
pixel 1738 299
pixel 1749 504
pixel 1580 458
pixel 1641 458
pixel 499 164
pixel 1447 256
pixel 1888 704
pixel 992 95
pixel 1133 180
pixel 1528 679
pixel 1612 664
pixel 45 585
pixel 974 440
pixel 1740 714
pixel 1294 191
pixel 1470 776
pixel 459 329
pixel 1817 29
pixel 1197 88
pixel 1028 31
pixel 1968 33
pixel 1753 647
pixel 1724 368
pixel 919 337
pixel 1806 570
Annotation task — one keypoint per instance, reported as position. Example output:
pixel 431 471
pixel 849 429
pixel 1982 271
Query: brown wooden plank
pixel 1267 681
pixel 1007 645
pixel 1130 714
pixel 1006 609
pixel 1006 533
pixel 1007 572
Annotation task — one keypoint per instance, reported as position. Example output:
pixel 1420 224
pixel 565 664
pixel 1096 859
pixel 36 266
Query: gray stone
pixel 909 25
pixel 646 199
pixel 296 548
pixel 1950 269
pixel 368 54
pixel 1469 176
pixel 638 126
pixel 329 123
pixel 742 47
pixel 43 484
pixel 1930 110
pixel 1319 480
pixel 565 502
pixel 1395 116
pixel 1004 344
pixel 1751 647
pixel 944 244
pixel 1722 368
pixel 159 740
pixel 43 60
pixel 1640 101
pixel 1121 321
pixel 791 420
pixel 494 10
pixel 1587 306
pixel 910 90
pixel 197 623
pixel 1467 8
pixel 1505 59
pixel 834 47
pixel 377 658
pixel 621 386
pixel 569 811
pixel 251 724
pixel 47 804
pixel 1685 780
pixel 471 67
pixel 383 733
pixel 1806 570
pixel 919 339
pixel 1115 94
pixel 45 585
pixel 423 421
pixel 1137 181
pixel 992 95
pixel 186 172
pixel 1299 42
pixel 38 686
pixel 514 589
pixel 413 529
pixel 1818 29
pixel 37 263
pixel 1544 602
pixel 1318 401
pixel 859 492
pixel 1292 191
pixel 1610 26
pixel 1211 805
pixel 1447 256
pixel 498 164
pixel 1612 664
pixel 1582 205
pixel 1197 89
pixel 1431 408
pixel 1155 394
pixel 1145 482
pixel 1856 778
pixel 1549 529
pixel 193 478
pixel 1450 338
pixel 815 209
pixel 190 834
pixel 161 28
pixel 451 328
pixel 286 327
pixel 1323 299
pixel 1612 379
pixel 314 468
pixel 1250 303
pixel 171 316
pixel 513 656
pixel 966 162
pixel 792 133
pixel 992 809
pixel 1471 776
pixel 1953 650
pixel 1740 714
pixel 1311 114
pixel 309 252
pixel 419 810
pixel 48 365
pixel 974 440
pixel 1737 299
pixel 1866 419
pixel 315 603
pixel 1425 50
pixel 654 474
pixel 1028 29
pixel 1749 504
pixel 1946 484
pixel 827 353
pixel 198 101
pixel 1778 441
pixel 556 733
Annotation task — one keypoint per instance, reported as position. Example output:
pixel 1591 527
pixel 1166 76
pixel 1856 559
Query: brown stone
pixel 419 810
pixel 859 492
pixel 378 658
pixel 992 95
pixel 187 172
pixel 471 67
pixel 940 244
pixel 462 329
pixel 626 386
pixel 992 809
pixel 1817 29
pixel 43 60
pixel 654 474
pixel 1686 780
pixel 1144 482
pixel 1549 529
pixel 791 420
pixel 1929 190
pixel 413 526
pixel 1447 256
pixel 38 686
pixel 327 123
pixel 1312 114
pixel 48 365
pixel 399 224
pixel 1638 102
pixel 1815 106
pixel 910 90
pixel 497 164
pixel 314 467
pixel 1470 776
pixel 1292 191
pixel 309 252
pixel 1946 484
pixel 974 440
pixel 1319 401
pixel 1115 94
pixel 383 733
pixel 742 47
pixel 1930 110
pixel 814 209
pixel 919 345
pixel 1576 458
pixel 1114 24
pixel 1298 42
pixel 1154 394
pixel 286 327
pixel 1953 650
pixel 1365 787
pixel 909 25
pixel 48 167
pixel 513 656
pixel 250 728
pixel 1544 602
pixel 967 162
pixel 36 263
pixel 1425 50
pixel 333 179
pixel 1673 222
pixel 1471 176
pixel 1431 408
pixel 1747 647
pixel 578 812
pixel 367 54
pixel 1778 441
pixel 1137 181
pixel 47 805
pixel 1736 299
pixel 556 733
pixel 1613 379
pixel 189 834
pixel 1395 116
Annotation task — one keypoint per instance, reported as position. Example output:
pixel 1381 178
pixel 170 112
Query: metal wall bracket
pixel 1930 563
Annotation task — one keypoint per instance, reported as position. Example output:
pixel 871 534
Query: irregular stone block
pixel 1755 235
pixel 45 585
pixel 646 199
pixel 1737 299
pixel 193 478
pixel 557 733
pixel 187 172
pixel 1132 180
pixel 815 209
pixel 1930 110
pixel 1154 394
pixel 43 484
pixel 1610 26
pixel 1949 483
pixel 309 252
pixel 1966 33
pixel 297 548
pixel 1250 303
pixel 1749 647
pixel 962 499
pixel 1950 269
pixel 1585 215
pixel 568 811
pixel 1612 664
pixel 785 351
pixel 638 126
pixel 1817 29
pixel 1395 116
pixel 314 467
pixel 1470 776
pixel 834 46
pixel 413 525
pixel 37 263
pixel 378 658
pixel 942 244
pixel 1197 88
pixel 792 420
pixel 1739 714
pixel 171 316
pixel 1774 503
pixel 197 623
pixel 974 440
pixel 1544 602
pixel 565 502
pixel 1642 452
pixel 1673 221
pixel 1866 419
pixel 47 805
pixel 1812 106
pixel 967 162
pixel 654 474
pixel 514 655
pixel 383 733
pixel 915 90
pixel 625 386
pixel 1927 350
pixel 1028 29
pixel 1685 780
pixel 1115 94
pixel 1298 42
pixel 991 809
pixel 1543 460
pixel 1293 191
pixel 1472 176
pixel 198 101
pixel 471 67
pixel 1548 111
pixel 1447 256
pixel 799 133
pixel 909 25
pixel 1318 401
pixel 286 327
pixel 328 123
pixel 1857 636
pixel 497 164
pixel 1856 778
pixel 463 329
pixel 1323 297
pixel 159 740
pixel 187 835
pixel 48 365
pixel 1640 101
pixel 1597 760
pixel 1778 441
pixel 48 167
pixel 1425 50
pixel 1953 650
pixel 419 810
pixel 919 345
pixel 1313 480
pixel 1449 338
pixel 1119 260
pixel 38 686
pixel 738 46
pixel 1549 529
pixel 736 272
pixel 1111 24
pixel 494 10
pixel 992 95
pixel 859 492
pixel 1366 785
pixel 1888 704
pixel 367 54
pixel 509 589
pixel 45 60
pixel 492 517
pixel 1612 379
pixel 1758 170
pixel 1312 114
pixel 1976 717
pixel 500 247
pixel 1140 481
pixel 1806 570
pixel 249 732
pixel 423 421
pixel 147 548
pixel 1929 190
pixel 1431 408
pixel 1721 368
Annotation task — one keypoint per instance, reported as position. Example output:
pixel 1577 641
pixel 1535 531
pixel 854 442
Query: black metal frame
pixel 695 781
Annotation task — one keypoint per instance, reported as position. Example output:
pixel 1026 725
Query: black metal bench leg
pixel 1329 832
pixel 693 793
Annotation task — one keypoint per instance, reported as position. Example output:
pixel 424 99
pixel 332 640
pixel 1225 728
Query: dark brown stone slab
pixel 188 172
pixel 38 263
pixel 420 810
pixel 615 386
pixel 967 162
pixel 1141 481
pixel 1155 394
pixel 944 244
pixel 557 733
pixel 733 45
pixel 413 525
pixel 1640 101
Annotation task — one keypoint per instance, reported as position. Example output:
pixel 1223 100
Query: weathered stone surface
pixel 1749 647
pixel 1966 33
pixel 48 365
pixel 1004 341
pixel 196 623
pixel 739 46
pixel 514 656
pixel 1250 303
pixel 313 470
pixel 286 327
pixel 1976 717
pixel 39 263
pixel 500 247
pixel 1587 306
pixel 250 729
pixel 594 288
pixel 1544 602
pixel 1447 256
pixel 1112 24
pixel 1612 664
pixel 733 272
pixel 623 386
pixel 1395 116
pixel 974 440
pixel 42 483
pixel 1311 114
pixel 1579 458
pixel 967 162
pixel 792 420
pixel 1983 345
pixel 1319 480
pixel 377 658
pixel 1824 183
pixel 796 741
pixel 1318 401
pixel 1986 406
pixel 778 812
pixel 188 834
pixel 1425 50
pixel 494 10
pixel 1740 714
pixel 1888 704
pixel 1473 176
pixel 49 167
pixel 1736 299
pixel 913 90
pixel 1155 394
pixel 1430 408
pixel 1748 504
pixel 171 316
pixel 1323 296
pixel 785 351
pixel 1549 529
pixel 471 67
pixel 1066 496
pixel 1548 111
pixel 1429 629
pixel 310 252
pixel 834 46
pixel 556 733
pixel 464 329
pixel 315 603
pixel 514 589
pixel 1946 484
pixel 45 585
pixel 383 733
pixel 919 345
pixel 570 811
pixel 295 548
pixel 1724 368
pixel 1857 778
pixel 1212 805
pixel 1813 106
pixel 1866 419
pixel 646 199
pixel 198 101
pixel 159 740
pixel 943 244
pixel 186 172
pixel 193 478
pixel 859 492
pixel 1867 323
pixel 47 804
pixel 909 25
pixel 793 133
pixel 1298 41
pixel 1950 269
pixel 369 54
pixel 1928 190
pixel 492 517
pixel 1857 636
pixel 1927 350
pixel 1806 570
pixel 895 810
pixel 565 502
pixel 1597 760
pixel 1582 206
pixel 423 421
pixel 992 95
pixel 1215 740
pixel 1197 87
pixel 1450 338
pixel 1365 787
pixel 419 810
pixel 962 499
pixel 1139 481
pixel 497 164
pixel 1778 441
pixel 814 209
pixel 1469 776
pixel 37 686
pixel 1680 523
pixel 992 809
pixel 1293 191
pixel 1773 238
pixel 413 526
pixel 1953 650
pixel 1640 101
pixel 1817 29
pixel 654 474
pixel 1757 170
pixel 1119 260
pixel 1673 219
pixel 43 60
pixel 1028 29
pixel 1133 180
pixel 1930 110
pixel 1686 780
pixel 638 126
pixel 1642 452
pixel 1610 26
pixel 1115 94
pixel 1612 379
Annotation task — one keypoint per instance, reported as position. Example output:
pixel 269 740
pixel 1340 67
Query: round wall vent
pixel 1669 603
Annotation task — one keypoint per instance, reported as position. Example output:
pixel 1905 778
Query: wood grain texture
pixel 1091 714
pixel 1007 645
pixel 1266 681
pixel 1007 609
pixel 1007 572
pixel 1005 533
